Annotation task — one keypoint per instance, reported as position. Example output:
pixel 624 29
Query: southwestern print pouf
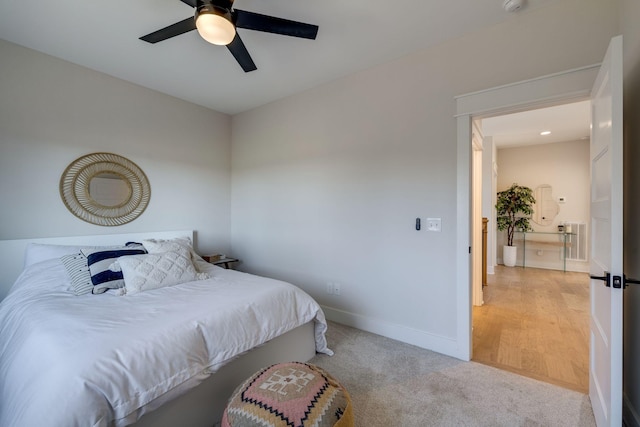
pixel 289 395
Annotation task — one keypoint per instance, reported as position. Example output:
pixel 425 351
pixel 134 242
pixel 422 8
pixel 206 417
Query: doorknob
pixel 618 282
pixel 622 282
pixel 606 278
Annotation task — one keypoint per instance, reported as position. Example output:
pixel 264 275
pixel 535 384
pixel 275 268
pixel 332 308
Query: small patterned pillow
pixel 78 269
pixel 100 260
pixel 158 270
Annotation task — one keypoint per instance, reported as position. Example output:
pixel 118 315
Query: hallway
pixel 535 323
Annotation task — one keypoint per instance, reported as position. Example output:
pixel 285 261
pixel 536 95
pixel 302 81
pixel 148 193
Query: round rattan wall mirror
pixel 105 189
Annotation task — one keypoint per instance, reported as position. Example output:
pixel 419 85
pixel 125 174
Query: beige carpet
pixel 399 385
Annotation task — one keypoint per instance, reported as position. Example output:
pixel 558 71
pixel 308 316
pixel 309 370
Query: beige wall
pixel 52 112
pixel 327 184
pixel 566 167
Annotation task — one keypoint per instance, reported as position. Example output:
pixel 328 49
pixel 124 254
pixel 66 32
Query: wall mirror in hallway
pixel 546 208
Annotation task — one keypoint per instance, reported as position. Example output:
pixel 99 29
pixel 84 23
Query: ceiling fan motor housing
pixel 211 8
pixel 209 4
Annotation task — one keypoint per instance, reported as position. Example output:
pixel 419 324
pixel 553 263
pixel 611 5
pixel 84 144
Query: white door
pixel 605 370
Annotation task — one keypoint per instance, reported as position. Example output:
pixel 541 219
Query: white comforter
pixel 95 360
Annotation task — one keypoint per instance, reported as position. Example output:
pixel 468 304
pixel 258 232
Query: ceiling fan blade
pixel 240 52
pixel 176 29
pixel 191 3
pixel 271 24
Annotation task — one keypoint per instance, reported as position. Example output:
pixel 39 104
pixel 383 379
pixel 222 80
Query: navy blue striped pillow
pixel 100 262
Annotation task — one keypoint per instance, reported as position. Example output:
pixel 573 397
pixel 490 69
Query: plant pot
pixel 509 255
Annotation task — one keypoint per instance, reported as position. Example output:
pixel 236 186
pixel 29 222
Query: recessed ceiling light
pixel 546 132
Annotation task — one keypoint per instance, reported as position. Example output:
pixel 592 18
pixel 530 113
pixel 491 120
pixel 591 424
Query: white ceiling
pixel 354 35
pixel 570 122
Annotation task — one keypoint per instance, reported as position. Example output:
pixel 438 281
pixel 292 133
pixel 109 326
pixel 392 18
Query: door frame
pixel 476 215
pixel 546 91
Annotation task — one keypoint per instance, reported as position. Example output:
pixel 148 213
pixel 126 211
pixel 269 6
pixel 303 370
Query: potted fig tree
pixel 513 212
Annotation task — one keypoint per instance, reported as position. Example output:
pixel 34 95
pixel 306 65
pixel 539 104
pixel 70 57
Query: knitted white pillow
pixel 159 245
pixel 153 271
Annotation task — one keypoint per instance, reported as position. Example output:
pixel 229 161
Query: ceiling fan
pixel 216 22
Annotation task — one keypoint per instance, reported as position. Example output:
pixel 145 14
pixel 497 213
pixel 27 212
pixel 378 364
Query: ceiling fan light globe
pixel 215 29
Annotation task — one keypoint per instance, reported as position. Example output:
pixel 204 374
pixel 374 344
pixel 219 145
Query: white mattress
pixel 97 360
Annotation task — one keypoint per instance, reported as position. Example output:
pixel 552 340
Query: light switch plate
pixel 434 224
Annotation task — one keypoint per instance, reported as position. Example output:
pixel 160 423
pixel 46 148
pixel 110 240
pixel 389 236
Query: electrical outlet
pixel 337 288
pixel 434 224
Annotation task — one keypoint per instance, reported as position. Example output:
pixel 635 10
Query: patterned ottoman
pixel 289 395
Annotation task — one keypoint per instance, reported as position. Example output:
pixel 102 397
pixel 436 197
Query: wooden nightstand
pixel 216 260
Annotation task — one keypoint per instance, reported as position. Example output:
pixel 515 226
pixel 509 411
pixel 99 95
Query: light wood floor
pixel 535 323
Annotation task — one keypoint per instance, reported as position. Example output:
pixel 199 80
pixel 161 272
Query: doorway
pixel 603 84
pixel 533 319
pixel 569 86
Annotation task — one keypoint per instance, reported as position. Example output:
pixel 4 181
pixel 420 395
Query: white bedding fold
pixel 69 360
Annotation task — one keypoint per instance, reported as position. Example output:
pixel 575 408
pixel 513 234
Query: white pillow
pixel 38 252
pixel 154 246
pixel 158 270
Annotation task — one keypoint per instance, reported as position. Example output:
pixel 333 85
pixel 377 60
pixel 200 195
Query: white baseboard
pixel 630 416
pixel 422 339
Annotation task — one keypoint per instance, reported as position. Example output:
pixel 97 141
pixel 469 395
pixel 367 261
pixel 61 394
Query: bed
pixel 163 356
